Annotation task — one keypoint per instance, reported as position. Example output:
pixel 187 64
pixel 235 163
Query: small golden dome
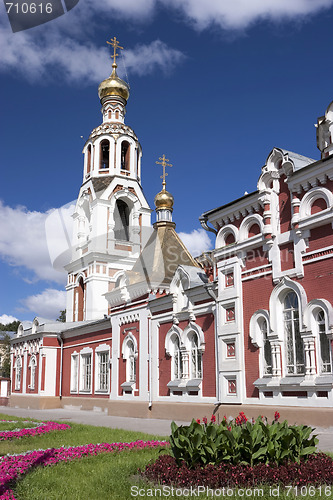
pixel 164 199
pixel 114 86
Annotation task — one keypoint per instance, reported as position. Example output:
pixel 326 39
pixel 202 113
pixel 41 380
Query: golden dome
pixel 114 86
pixel 164 200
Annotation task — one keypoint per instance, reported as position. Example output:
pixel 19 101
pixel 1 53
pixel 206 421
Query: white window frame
pixel 74 372
pixel 32 366
pixel 85 354
pixel 294 323
pixel 323 331
pixel 18 373
pixel 102 350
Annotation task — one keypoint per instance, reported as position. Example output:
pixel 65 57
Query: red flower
pixel 276 416
pixel 198 420
pixel 204 420
pixel 213 419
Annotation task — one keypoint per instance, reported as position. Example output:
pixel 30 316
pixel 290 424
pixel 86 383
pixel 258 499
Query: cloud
pixel 63 58
pixel 5 319
pixel 23 241
pixel 240 14
pixel 46 304
pixel 196 242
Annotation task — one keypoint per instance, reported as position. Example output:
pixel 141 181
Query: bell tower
pixel 112 217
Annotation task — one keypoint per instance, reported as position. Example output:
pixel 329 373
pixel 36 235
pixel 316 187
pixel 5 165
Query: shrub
pixel 241 442
pixel 316 470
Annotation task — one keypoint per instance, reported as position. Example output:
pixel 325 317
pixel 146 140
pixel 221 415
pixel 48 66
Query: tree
pixel 62 316
pixel 5 355
pixel 10 327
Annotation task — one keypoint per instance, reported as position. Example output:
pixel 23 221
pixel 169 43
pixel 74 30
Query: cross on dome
pixel 164 164
pixel 115 44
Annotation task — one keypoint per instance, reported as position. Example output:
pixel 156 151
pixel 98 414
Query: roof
pixel 161 256
pixel 299 161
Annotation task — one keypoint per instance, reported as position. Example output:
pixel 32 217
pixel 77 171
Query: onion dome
pixel 164 200
pixel 114 86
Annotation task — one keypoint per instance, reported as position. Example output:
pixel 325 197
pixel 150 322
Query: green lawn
pixel 106 476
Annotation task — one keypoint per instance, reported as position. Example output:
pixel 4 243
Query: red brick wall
pixel 320 237
pixel 207 324
pixel 164 361
pixel 287 256
pixel 122 362
pixel 77 344
pixel 256 258
pixel 256 295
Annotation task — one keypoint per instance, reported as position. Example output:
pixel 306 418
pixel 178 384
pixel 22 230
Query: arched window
pixel 324 344
pixel 125 155
pixel 177 367
pixel 196 357
pixel 80 299
pixel 18 369
pixel 229 239
pixel 32 366
pixel 104 154
pixel 122 221
pixel 293 341
pixel 130 355
pixel 267 350
pixel 89 159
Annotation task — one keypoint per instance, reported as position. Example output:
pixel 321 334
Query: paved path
pixel 156 427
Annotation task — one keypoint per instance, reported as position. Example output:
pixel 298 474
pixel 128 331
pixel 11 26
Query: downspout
pixel 61 358
pixel 203 221
pixel 150 399
pixel 212 294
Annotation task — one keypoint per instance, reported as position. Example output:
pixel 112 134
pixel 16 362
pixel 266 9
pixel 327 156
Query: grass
pixel 108 476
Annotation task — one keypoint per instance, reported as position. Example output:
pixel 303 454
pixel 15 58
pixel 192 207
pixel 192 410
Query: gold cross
pixel 115 44
pixel 164 164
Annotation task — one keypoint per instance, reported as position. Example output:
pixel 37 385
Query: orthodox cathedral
pixel 151 330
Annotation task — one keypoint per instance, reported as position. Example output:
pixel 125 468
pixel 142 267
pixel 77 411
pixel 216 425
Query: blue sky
pixel 213 86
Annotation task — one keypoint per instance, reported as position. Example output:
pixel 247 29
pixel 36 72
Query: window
pixel 229 279
pixel 324 344
pixel 176 359
pixel 18 368
pixel 104 153
pixel 267 350
pixel 231 350
pixel 74 372
pixel 32 366
pixel 293 341
pixel 122 221
pixel 196 357
pixel 89 159
pixel 131 362
pixel 230 314
pixel 125 155
pixel 86 372
pixel 232 386
pixel 103 371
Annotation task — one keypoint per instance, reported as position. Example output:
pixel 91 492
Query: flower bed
pixel 316 470
pixel 14 466
pixel 40 428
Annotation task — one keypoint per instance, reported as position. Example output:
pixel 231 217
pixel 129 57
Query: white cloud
pixel 5 319
pixel 46 304
pixel 36 56
pixel 23 241
pixel 196 242
pixel 238 14
pixel 61 49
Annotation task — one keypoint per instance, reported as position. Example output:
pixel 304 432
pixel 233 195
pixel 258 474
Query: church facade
pixel 152 331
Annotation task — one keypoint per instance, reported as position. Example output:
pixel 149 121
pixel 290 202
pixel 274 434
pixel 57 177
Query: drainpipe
pixel 61 357
pixel 150 402
pixel 212 294
pixel 203 219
